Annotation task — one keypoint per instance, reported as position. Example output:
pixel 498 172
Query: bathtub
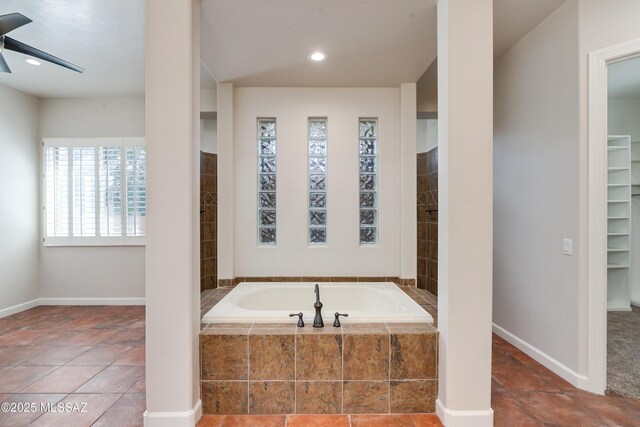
pixel 365 302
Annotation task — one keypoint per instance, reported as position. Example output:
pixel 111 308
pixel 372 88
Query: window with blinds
pixel 95 191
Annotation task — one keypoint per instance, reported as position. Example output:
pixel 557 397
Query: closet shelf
pixel 617 148
pixel 617 185
pixel 617 250
pixel 617 201
pixel 617 217
pixel 617 234
pixel 617 266
pixel 618 169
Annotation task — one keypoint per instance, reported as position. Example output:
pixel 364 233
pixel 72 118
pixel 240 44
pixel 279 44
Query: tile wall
pixel 208 215
pixel 427 194
pixel 282 369
pixel 396 280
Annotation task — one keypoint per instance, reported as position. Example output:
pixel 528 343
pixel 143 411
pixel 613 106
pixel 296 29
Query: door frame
pixel 597 208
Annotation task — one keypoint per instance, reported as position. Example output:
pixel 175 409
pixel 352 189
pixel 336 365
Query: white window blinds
pixel 95 191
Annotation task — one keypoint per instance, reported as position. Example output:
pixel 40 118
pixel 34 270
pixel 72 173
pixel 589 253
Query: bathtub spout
pixel 317 320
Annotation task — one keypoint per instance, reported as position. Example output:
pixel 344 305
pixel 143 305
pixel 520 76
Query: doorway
pixel 613 337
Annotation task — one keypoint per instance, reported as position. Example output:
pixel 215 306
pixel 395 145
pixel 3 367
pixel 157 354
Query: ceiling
pixel 248 42
pixel 368 42
pixel 624 79
pixel 105 37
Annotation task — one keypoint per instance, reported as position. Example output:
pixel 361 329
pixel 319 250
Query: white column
pixel 465 114
pixel 408 124
pixel 172 267
pixel 226 183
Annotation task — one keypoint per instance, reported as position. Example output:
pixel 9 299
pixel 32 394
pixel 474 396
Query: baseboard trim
pixel 19 307
pixel 451 418
pixel 174 419
pixel 543 358
pixel 92 301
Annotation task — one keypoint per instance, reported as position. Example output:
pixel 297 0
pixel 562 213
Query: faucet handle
pixel 300 321
pixel 336 323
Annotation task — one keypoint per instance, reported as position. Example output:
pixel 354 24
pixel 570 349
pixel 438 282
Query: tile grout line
pixel 249 367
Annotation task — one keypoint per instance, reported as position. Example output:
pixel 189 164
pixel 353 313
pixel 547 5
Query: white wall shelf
pixel 620 177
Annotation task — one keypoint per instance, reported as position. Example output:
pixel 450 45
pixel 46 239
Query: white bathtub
pixel 267 302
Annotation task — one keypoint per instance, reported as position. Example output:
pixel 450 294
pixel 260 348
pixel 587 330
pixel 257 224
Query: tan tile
pixel 413 396
pixel 271 397
pixel 100 355
pixel 271 357
pixel 381 421
pixel 318 357
pixel 113 379
pixel 212 420
pixel 19 354
pixel 24 418
pixel 139 387
pixel 135 356
pixel 413 356
pixel 254 421
pixel 426 420
pixel 366 397
pixel 58 355
pixel 65 379
pixel 96 405
pixel 411 328
pixel 225 397
pixel 17 378
pixel 318 397
pixel 318 421
pixel 366 357
pixel 224 357
pixel 126 412
pixel 363 328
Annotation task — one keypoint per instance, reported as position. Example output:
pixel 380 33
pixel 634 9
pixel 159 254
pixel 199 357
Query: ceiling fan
pixel 16 20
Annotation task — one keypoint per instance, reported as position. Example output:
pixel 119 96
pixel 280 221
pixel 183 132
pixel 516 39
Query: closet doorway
pixel 623 228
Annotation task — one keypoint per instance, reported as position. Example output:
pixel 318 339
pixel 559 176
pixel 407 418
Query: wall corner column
pixel 408 232
pixel 465 265
pixel 172 252
pixel 226 183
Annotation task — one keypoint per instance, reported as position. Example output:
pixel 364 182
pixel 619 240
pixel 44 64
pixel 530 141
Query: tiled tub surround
pixel 228 283
pixel 281 369
pixel 427 204
pixel 208 215
pixel 365 302
pixel 278 368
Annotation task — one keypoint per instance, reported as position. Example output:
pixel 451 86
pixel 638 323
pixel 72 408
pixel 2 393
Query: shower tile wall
pixel 208 215
pixel 427 193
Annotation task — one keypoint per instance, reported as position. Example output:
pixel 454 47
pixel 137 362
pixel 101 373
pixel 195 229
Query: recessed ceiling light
pixel 317 56
pixel 32 61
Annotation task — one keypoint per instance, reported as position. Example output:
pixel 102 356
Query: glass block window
pixel 317 219
pixel 368 181
pixel 267 182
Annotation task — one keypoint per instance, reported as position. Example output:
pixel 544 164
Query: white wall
pixel 427 135
pixel 541 176
pixel 92 272
pixel 292 256
pixel 537 289
pixel 209 135
pixel 19 198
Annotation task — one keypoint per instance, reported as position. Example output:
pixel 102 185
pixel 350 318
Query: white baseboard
pixel 452 418
pixel 92 301
pixel 568 374
pixel 19 307
pixel 174 419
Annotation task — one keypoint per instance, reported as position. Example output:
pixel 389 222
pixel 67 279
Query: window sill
pixel 94 241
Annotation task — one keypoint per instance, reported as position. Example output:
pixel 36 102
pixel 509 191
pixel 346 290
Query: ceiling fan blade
pixel 12 21
pixel 16 46
pixel 4 67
